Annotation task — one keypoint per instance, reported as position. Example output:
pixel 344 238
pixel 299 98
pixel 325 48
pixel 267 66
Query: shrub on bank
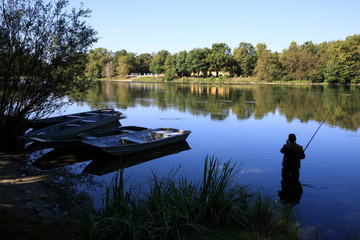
pixel 213 208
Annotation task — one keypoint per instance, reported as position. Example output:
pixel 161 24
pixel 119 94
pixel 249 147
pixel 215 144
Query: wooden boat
pixel 72 128
pixel 76 140
pixel 45 122
pixel 131 143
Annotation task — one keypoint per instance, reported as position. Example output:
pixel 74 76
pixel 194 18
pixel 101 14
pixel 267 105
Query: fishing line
pixel 319 127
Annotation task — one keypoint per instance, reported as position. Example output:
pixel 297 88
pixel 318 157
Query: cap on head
pixel 292 137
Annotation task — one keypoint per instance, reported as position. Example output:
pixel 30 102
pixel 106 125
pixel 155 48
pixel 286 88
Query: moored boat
pixel 122 145
pixel 45 122
pixel 72 128
pixel 76 140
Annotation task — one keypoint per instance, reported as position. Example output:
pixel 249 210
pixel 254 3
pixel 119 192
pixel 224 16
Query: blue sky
pixel 146 26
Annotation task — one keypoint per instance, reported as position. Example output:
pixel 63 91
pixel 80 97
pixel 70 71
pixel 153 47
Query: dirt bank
pixel 20 193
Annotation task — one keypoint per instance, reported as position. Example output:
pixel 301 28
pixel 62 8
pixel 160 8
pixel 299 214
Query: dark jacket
pixel 293 153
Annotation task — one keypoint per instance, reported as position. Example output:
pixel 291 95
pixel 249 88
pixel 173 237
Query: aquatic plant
pixel 215 207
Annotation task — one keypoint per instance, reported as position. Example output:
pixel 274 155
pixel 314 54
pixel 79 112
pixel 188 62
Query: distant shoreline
pixel 219 80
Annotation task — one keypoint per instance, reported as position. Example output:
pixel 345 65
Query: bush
pixel 286 78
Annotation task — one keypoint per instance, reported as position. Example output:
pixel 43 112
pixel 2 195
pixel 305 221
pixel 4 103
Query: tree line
pixel 221 101
pixel 331 62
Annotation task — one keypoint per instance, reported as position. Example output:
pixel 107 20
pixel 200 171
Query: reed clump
pixel 215 207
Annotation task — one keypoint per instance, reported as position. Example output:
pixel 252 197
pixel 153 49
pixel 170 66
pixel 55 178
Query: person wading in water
pixel 293 153
pixel 291 189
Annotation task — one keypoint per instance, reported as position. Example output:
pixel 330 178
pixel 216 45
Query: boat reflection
pixel 113 163
pixel 103 163
pixel 63 157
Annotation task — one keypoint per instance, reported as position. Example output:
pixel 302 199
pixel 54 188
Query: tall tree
pixel 108 71
pixel 96 61
pixel 220 58
pixel 290 59
pixel 196 61
pixel 346 55
pixel 170 67
pixel 157 64
pixel 260 47
pixel 245 56
pixel 115 58
pixel 262 68
pixel 181 63
pixel 42 57
pixel 143 62
pixel 126 64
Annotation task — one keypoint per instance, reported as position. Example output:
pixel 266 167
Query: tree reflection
pixel 294 102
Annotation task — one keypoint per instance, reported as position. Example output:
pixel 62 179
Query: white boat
pixel 72 128
pixel 45 122
pixel 76 140
pixel 122 145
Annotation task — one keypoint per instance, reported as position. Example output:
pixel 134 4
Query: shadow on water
pixel 103 163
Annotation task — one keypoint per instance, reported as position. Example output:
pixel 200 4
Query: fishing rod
pixel 319 127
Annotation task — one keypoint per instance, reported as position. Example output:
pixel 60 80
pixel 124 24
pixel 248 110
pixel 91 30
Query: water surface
pixel 247 125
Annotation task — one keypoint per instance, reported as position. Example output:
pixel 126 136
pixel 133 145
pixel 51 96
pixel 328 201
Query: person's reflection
pixel 291 190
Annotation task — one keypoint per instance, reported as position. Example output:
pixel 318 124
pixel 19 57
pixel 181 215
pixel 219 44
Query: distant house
pixel 212 73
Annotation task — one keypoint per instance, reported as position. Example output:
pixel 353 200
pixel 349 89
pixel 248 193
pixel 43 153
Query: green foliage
pixel 333 74
pixel 220 58
pixel 96 60
pixel 332 62
pixel 181 67
pixel 157 64
pixel 211 208
pixel 126 64
pixel 143 63
pixel 245 56
pixel 196 61
pixel 42 57
pixel 170 67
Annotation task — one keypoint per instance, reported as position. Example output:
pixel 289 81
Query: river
pixel 247 124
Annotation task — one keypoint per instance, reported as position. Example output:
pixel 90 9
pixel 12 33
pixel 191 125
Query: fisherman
pixel 293 153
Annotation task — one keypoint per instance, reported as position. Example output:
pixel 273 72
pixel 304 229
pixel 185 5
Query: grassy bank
pixel 211 80
pixel 215 207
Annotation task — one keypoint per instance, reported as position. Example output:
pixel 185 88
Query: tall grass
pixel 214 207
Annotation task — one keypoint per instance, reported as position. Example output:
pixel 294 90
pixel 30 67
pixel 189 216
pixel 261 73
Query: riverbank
pixel 20 193
pixel 30 208
pixel 210 80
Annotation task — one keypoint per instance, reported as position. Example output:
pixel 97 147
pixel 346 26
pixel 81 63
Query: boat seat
pixel 167 133
pixel 135 140
pixel 88 121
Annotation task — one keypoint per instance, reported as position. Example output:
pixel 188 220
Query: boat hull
pixel 93 134
pixel 46 122
pixel 71 129
pixel 131 143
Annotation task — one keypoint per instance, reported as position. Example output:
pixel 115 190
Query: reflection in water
pixel 245 101
pixel 63 157
pixel 101 166
pixel 291 190
pixel 102 163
